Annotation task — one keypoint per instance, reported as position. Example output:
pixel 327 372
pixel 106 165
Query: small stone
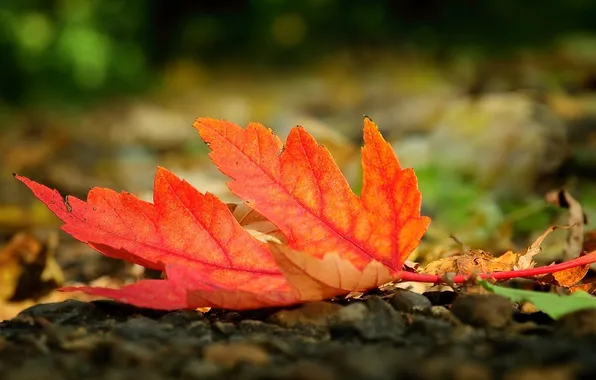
pixel 142 328
pixel 65 312
pixel 438 367
pixel 229 355
pixel 578 324
pixel 560 372
pixel 198 369
pixel 483 310
pixel 352 314
pixel 463 333
pixel 120 310
pixel 528 308
pixel 373 320
pixel 372 361
pixel 474 371
pixel 407 301
pixel 225 328
pixel 440 298
pixel 200 330
pixel 129 353
pixel 182 318
pixel 309 370
pixel 444 314
pixel 3 343
pixel 312 313
pixel 34 370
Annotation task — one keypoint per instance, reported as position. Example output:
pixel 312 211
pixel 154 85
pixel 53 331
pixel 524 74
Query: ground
pixel 438 335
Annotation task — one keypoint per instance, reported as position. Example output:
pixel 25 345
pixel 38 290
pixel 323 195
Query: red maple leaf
pixel 336 241
pixel 209 259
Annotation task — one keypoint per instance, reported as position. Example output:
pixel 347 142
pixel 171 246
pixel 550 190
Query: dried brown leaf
pixel 477 261
pixel 577 218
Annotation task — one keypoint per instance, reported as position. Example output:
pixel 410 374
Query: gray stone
pixel 407 301
pixel 483 310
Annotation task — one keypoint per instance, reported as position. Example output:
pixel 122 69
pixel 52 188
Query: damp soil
pixel 403 335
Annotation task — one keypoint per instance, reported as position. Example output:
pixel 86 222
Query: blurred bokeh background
pixel 492 102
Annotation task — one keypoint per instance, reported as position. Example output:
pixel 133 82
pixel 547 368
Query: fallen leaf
pixel 475 261
pixel 190 235
pixel 336 242
pixel 217 255
pixel 316 279
pixel 569 277
pixel 527 259
pixel 256 224
pixel 590 241
pixel 574 246
pixel 586 286
pixel 577 219
pixel 28 268
pixel 566 278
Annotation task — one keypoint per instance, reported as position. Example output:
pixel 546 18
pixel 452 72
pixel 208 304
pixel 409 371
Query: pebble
pixel 182 318
pixel 443 313
pixel 225 328
pixel 69 311
pixel 374 320
pixel 577 324
pixel 558 372
pixel 198 370
pixel 407 301
pixel 312 313
pixel 440 298
pixel 229 355
pixel 483 310
pixel 365 339
pixel 307 370
pixel 442 368
pixel 352 314
pixel 142 328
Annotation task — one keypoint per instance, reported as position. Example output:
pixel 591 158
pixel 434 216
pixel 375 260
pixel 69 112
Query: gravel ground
pixel 402 335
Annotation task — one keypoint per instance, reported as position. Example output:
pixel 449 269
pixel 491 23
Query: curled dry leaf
pixel 585 286
pixel 332 275
pixel 527 260
pixel 590 241
pixel 577 219
pixel 475 261
pixel 569 277
pixel 28 268
pixel 574 246
pixel 256 224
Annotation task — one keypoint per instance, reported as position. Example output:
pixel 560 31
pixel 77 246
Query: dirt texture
pixel 403 335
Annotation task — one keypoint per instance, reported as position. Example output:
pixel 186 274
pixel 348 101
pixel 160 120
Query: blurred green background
pixel 78 51
pixel 492 102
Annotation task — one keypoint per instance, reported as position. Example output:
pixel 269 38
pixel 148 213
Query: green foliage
pixel 460 205
pixel 71 49
pixel 552 304
pixel 76 50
